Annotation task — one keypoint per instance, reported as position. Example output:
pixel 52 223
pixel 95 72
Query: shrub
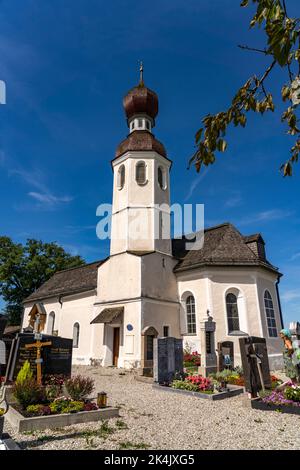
pixel 89 406
pixel 79 388
pixel 59 405
pixel 38 410
pixel 64 405
pixel 183 385
pixel 192 359
pixel 28 392
pixel 203 383
pixel 224 375
pixel 52 392
pixel 24 373
pixel 292 393
pixel 238 370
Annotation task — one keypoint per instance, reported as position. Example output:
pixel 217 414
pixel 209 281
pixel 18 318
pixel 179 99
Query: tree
pixel 24 268
pixel 282 49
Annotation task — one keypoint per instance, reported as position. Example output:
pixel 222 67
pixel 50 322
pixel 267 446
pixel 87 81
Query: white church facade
pixel 152 285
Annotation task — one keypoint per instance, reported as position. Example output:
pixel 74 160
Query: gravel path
pixel 158 420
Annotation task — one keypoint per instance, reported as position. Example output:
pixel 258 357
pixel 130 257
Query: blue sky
pixel 67 65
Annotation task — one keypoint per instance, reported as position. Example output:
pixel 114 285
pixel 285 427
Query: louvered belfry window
pixel 140 173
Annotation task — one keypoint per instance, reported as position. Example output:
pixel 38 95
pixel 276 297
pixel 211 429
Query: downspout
pixel 279 302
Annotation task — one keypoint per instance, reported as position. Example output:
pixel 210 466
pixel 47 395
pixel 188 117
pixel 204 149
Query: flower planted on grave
pixel 192 359
pixel 37 400
pixel 54 386
pixel 79 388
pixel 26 390
pixel 279 399
pixel 275 381
pixel 195 383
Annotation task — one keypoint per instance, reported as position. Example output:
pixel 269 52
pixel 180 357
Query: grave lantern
pixel 102 400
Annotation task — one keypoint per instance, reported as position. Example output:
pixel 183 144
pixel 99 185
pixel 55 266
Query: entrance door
pixel 116 346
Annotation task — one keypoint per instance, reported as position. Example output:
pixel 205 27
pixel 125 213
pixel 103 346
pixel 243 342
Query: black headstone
pixel 57 358
pixel 254 351
pixel 168 359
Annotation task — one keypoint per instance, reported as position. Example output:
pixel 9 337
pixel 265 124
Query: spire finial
pixel 141 73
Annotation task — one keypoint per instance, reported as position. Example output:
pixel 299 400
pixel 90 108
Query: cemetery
pixel 43 393
pixel 39 391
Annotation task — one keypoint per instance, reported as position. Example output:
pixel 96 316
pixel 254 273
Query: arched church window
pixel 270 314
pixel 161 177
pixel 140 173
pixel 232 313
pixel 76 329
pixel 121 177
pixel 51 322
pixel 190 315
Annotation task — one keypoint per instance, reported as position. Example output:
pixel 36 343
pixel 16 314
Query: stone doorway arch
pixel 148 335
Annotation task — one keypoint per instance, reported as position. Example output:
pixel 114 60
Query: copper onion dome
pixel 141 100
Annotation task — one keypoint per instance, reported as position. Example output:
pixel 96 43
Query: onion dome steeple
pixel 141 103
pixel 141 108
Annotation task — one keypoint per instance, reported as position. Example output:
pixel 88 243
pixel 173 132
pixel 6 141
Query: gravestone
pixel 167 359
pixel 225 355
pixel 255 362
pixel 57 358
pixel 207 345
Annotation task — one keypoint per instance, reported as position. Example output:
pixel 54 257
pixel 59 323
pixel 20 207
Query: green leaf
pixel 198 135
pixel 222 145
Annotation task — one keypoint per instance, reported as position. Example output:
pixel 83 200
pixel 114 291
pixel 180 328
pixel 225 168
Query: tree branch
pixel 262 51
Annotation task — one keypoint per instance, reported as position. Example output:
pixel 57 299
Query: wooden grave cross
pixel 38 345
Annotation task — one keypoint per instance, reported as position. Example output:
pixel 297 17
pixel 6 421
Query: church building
pixel 152 286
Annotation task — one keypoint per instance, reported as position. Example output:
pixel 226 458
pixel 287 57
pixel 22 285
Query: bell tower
pixel 141 188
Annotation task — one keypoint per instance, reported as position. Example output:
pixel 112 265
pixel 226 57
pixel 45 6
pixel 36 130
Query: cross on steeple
pixel 141 74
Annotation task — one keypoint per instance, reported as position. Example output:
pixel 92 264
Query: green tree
pixel 282 49
pixel 24 268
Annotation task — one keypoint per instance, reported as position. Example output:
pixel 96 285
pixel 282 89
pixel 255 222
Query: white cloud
pixel 290 295
pixel 49 198
pixel 295 256
pixel 234 201
pixel 195 183
pixel 266 216
pixel 43 196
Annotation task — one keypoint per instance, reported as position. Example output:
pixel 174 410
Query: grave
pixel 56 357
pixel 168 359
pixel 255 362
